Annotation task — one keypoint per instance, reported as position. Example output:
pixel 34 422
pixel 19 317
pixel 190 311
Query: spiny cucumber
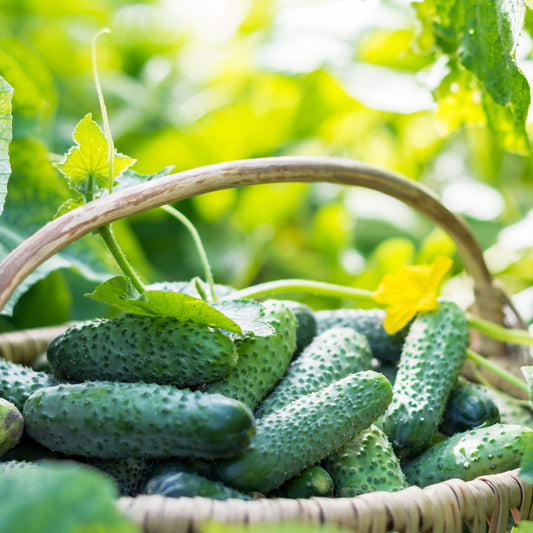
pixel 305 431
pixel 262 361
pixel 467 455
pixel 314 481
pixel 368 322
pixel 432 357
pixel 18 382
pixel 11 426
pixel 142 348
pixel 128 473
pixel 113 420
pixel 469 406
pixel 191 484
pixel 332 355
pixel 306 330
pixel 365 463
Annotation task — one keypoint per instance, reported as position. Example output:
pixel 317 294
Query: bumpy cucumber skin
pixel 364 464
pixel 262 361
pixel 18 382
pixel 142 348
pixel 368 322
pixel 331 356
pixel 305 431
pixel 191 484
pixel 314 481
pixel 306 330
pixel 11 426
pixel 511 412
pixel 128 473
pixel 467 455
pixel 432 357
pixel 468 406
pixel 114 420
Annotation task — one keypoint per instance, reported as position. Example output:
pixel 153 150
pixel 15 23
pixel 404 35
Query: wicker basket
pixel 487 502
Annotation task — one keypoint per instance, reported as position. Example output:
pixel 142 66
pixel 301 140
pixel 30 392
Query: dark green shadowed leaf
pixel 60 498
pixel 6 93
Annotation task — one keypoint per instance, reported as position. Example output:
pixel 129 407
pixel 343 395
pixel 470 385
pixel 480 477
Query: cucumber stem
pixel 306 286
pixel 513 336
pixel 497 370
pixel 117 253
pixel 199 246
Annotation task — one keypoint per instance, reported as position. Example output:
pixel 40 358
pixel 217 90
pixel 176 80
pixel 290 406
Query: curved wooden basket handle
pixel 62 231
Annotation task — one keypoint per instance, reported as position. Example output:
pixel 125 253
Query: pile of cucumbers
pixel 327 404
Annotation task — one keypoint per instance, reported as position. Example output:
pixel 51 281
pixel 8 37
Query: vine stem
pixel 117 253
pixel 199 246
pixel 497 370
pixel 306 286
pixel 513 336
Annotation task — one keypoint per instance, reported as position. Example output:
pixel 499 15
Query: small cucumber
pixel 365 463
pixel 11 426
pixel 306 330
pixel 432 357
pixel 467 455
pixel 469 406
pixel 18 382
pixel 191 484
pixel 262 361
pixel 305 431
pixel 114 420
pixel 142 348
pixel 368 322
pixel 331 356
pixel 511 410
pixel 128 473
pixel 314 481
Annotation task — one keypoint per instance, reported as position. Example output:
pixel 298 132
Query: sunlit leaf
pixel 237 316
pixel 35 192
pixel 6 92
pixel 482 37
pixel 90 158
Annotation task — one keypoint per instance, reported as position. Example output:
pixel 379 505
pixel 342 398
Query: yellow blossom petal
pixel 411 290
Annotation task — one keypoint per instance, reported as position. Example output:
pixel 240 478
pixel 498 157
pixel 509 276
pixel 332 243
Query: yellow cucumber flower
pixel 411 290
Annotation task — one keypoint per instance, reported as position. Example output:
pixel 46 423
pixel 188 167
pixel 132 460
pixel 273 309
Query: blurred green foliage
pixel 195 82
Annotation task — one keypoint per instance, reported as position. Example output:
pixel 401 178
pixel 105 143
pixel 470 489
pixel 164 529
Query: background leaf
pixel 6 93
pixel 62 497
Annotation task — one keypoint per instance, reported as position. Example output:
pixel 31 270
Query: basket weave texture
pixel 489 503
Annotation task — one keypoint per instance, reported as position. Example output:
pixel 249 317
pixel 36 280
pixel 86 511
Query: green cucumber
pixel 368 322
pixel 191 484
pixel 18 382
pixel 364 464
pixel 11 426
pixel 142 348
pixel 469 406
pixel 331 356
pixel 128 473
pixel 314 481
pixel 114 420
pixel 467 455
pixel 306 330
pixel 305 431
pixel 511 410
pixel 262 361
pixel 432 357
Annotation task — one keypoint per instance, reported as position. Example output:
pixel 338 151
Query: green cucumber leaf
pixel 6 131
pixel 130 178
pixel 89 160
pixel 237 316
pixel 481 38
pixel 524 526
pixel 35 191
pixel 60 497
